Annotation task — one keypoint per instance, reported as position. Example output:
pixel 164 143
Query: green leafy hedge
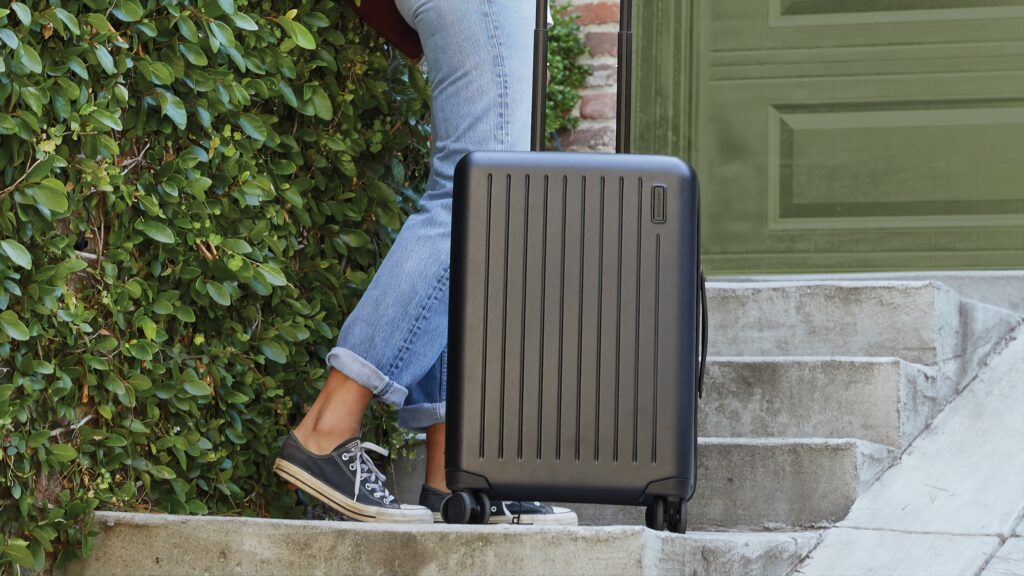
pixel 568 75
pixel 192 197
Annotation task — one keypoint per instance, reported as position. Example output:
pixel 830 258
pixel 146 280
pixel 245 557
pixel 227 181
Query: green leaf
pixel 7 125
pixel 301 35
pixel 292 196
pixel 63 452
pixel 273 275
pixel 23 12
pixel 253 126
pixel 13 326
pixel 173 108
pixel 42 169
pixel 78 67
pixel 194 53
pixel 237 246
pixel 287 93
pixel 17 253
pixel 322 104
pixel 69 20
pixel 219 293
pixel 197 387
pixel 161 73
pixel 228 6
pixel 244 22
pixel 50 194
pixel 143 349
pixel 147 28
pixel 9 37
pixel 114 384
pixel 115 441
pixel 188 29
pixel 107 118
pixel 162 472
pixel 38 438
pixel 19 554
pixel 157 231
pixel 27 56
pixel 105 59
pixel 223 33
pixel 140 382
pixel 274 351
pixel 127 10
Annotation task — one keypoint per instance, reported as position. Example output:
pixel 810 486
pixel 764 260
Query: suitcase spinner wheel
pixel 668 513
pixel 466 508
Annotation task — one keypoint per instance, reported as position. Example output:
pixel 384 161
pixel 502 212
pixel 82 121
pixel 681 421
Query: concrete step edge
pixel 158 544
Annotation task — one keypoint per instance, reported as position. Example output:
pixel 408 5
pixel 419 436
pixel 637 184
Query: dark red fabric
pixel 384 17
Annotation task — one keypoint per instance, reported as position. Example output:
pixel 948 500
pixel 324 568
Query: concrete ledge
pixel 1002 288
pixel 157 544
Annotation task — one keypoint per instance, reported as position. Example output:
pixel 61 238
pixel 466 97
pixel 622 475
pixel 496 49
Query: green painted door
pixel 841 135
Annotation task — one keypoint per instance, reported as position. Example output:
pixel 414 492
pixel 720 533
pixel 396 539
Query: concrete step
pixel 745 483
pixel 757 483
pixel 921 322
pixel 881 400
pixel 158 544
pixel 1001 288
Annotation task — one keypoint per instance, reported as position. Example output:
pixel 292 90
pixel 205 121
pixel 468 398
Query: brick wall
pixel 600 22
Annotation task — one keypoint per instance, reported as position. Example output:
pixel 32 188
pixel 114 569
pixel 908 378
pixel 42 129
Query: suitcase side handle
pixel 703 334
pixel 624 97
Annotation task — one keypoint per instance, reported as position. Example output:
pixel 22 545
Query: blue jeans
pixel 479 59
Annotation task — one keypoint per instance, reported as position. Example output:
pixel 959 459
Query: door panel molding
pixel 846 12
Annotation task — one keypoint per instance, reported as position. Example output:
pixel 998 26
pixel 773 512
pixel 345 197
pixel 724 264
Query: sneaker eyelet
pixel 351 466
pixel 369 486
pixel 344 456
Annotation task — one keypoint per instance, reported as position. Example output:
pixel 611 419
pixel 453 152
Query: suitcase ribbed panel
pixel 559 317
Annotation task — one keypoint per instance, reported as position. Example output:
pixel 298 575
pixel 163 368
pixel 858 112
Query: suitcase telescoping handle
pixel 625 77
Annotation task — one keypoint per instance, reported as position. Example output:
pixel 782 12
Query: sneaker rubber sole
pixel 344 504
pixel 561 517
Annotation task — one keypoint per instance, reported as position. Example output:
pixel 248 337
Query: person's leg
pixel 435 458
pixel 479 57
pixel 479 54
pixel 322 430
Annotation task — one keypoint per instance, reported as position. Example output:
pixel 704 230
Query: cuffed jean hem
pixel 421 416
pixel 367 375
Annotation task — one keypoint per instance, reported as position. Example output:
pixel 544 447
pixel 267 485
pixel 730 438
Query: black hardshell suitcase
pixel 576 327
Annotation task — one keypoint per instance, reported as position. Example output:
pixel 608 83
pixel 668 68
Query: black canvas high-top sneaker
pixel 347 480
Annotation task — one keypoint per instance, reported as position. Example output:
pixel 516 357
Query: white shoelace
pixel 363 466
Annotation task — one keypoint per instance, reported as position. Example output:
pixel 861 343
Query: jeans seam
pixel 414 330
pixel 505 112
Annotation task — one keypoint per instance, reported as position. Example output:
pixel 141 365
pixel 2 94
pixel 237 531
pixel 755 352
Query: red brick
pixel 604 74
pixel 600 138
pixel 602 43
pixel 597 13
pixel 598 106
